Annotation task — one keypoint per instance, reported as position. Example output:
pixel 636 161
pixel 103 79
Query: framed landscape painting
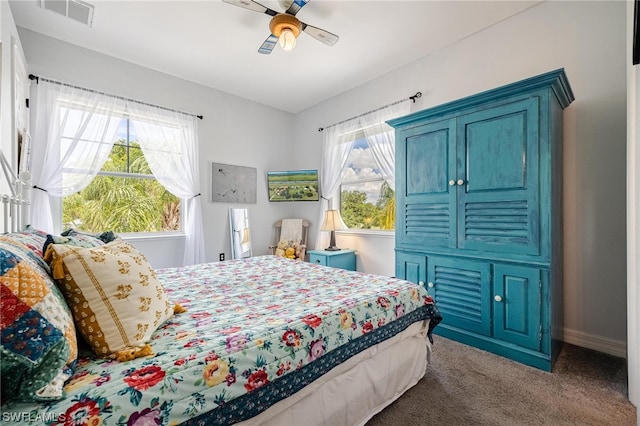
pixel 293 185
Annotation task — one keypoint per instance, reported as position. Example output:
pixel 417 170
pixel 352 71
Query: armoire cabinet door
pixel 462 290
pixel 411 267
pixel 425 158
pixel 517 305
pixel 498 205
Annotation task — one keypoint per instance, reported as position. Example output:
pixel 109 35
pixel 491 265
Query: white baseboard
pixel 597 343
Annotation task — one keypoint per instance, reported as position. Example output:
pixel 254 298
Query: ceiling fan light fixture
pixel 287 40
pixel 287 28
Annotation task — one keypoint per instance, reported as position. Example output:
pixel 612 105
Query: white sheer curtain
pixel 338 143
pixel 381 137
pixel 336 146
pixel 169 141
pixel 72 130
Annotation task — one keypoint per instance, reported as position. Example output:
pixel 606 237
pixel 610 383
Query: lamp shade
pixel 287 39
pixel 333 221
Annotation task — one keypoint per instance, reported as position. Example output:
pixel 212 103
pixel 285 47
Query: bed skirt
pixel 354 391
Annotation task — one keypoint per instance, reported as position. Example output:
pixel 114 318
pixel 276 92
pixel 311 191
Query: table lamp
pixel 332 222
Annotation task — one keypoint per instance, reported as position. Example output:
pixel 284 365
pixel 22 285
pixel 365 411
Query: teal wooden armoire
pixel 479 215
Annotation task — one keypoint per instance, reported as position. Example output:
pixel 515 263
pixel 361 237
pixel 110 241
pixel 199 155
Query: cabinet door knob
pixel 421 283
pixel 460 182
pixel 452 182
pixel 430 284
pixel 317 260
pixel 497 298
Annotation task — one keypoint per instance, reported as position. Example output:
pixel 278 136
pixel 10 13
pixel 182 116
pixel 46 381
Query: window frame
pixel 142 234
pixel 355 136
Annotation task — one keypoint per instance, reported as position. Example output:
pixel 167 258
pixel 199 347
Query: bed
pixel 263 340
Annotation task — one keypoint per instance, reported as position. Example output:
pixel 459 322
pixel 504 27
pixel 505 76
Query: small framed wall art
pixel 293 185
pixel 233 184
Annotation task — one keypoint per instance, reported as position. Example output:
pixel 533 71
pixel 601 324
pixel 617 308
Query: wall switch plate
pixel 221 257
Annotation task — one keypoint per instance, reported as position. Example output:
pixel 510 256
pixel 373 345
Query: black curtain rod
pixel 412 98
pixel 37 79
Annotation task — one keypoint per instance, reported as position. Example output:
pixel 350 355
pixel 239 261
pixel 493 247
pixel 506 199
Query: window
pixel 366 199
pixel 124 196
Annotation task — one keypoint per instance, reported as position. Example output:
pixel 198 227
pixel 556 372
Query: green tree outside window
pixel 358 213
pixel 121 203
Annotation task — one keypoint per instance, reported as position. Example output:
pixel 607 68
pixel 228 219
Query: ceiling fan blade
pixel 252 5
pixel 296 6
pixel 268 45
pixel 319 34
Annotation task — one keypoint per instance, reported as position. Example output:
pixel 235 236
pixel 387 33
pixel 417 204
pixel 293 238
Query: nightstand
pixel 343 259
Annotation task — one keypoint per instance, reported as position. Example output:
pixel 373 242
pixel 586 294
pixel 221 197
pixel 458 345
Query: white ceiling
pixel 216 44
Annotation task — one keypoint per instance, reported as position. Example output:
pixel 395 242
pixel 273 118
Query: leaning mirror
pixel 240 234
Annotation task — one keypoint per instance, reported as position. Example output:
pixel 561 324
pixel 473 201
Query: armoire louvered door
pixel 429 202
pixel 479 215
pixel 462 290
pixel 498 199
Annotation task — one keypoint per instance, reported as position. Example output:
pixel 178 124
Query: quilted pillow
pixel 73 238
pixel 105 237
pixel 114 295
pixel 34 240
pixel 38 337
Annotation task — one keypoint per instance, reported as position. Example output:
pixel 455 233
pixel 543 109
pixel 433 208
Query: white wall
pixel 234 131
pixel 587 39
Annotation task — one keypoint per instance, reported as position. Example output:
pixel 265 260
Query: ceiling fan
pixel 285 27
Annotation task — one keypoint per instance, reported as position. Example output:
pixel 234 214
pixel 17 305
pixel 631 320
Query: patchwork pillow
pixel 38 337
pixel 34 240
pixel 105 237
pixel 114 295
pixel 74 239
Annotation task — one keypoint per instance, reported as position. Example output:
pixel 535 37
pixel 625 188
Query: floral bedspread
pixel 256 330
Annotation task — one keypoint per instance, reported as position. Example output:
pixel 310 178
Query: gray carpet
pixel 468 386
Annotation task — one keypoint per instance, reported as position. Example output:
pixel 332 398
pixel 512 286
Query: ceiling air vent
pixel 75 9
